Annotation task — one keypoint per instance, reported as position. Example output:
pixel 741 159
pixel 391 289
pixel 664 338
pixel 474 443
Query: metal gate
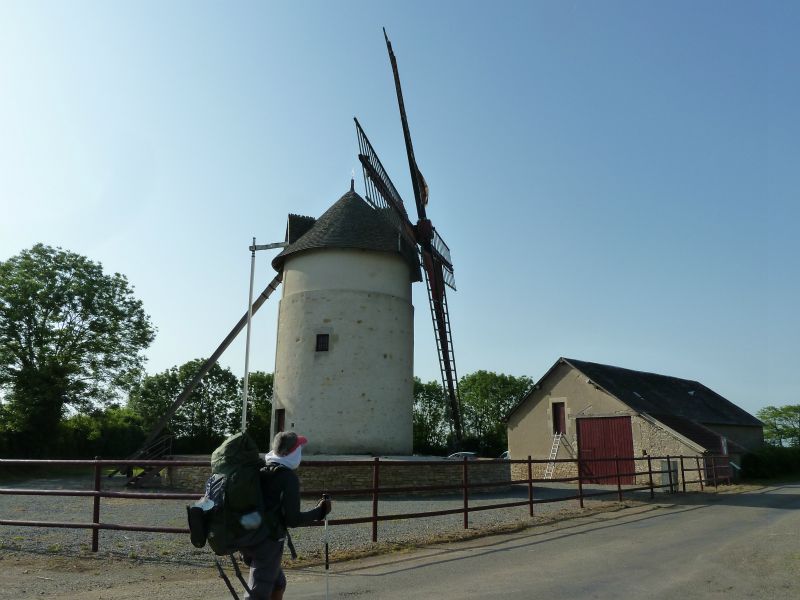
pixel 605 437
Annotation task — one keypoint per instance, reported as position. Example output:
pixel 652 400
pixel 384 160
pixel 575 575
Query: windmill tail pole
pixel 210 362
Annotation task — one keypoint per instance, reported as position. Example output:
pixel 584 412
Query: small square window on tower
pixel 323 340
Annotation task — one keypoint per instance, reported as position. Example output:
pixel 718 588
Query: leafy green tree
pixel 781 424
pixel 430 418
pixel 259 395
pixel 210 413
pixel 486 398
pixel 71 339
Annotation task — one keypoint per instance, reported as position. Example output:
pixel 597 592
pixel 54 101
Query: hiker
pixel 280 486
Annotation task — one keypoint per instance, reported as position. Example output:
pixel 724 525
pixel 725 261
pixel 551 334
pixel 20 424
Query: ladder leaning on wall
pixel 551 466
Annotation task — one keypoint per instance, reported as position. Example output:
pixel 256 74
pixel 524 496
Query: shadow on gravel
pixel 527 539
pixel 786 497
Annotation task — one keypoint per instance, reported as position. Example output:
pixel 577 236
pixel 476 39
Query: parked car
pixel 462 456
pixel 505 455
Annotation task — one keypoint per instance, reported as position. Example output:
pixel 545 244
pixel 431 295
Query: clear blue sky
pixel 617 180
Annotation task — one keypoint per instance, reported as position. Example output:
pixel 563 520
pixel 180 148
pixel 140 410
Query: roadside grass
pixel 788 479
pixel 21 472
pixel 15 473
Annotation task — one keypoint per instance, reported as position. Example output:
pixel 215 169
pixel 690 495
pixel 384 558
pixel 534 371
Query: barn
pixel 590 410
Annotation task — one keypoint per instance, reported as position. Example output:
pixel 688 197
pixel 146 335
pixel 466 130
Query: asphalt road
pixel 730 545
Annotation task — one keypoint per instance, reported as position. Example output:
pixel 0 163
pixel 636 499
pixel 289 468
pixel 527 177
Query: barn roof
pixel 681 404
pixel 664 395
pixel 350 223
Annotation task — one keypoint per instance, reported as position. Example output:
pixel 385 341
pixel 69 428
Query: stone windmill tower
pixel 345 350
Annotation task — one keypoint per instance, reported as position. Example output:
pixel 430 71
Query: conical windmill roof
pixel 352 223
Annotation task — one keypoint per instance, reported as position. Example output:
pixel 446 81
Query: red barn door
pixel 606 437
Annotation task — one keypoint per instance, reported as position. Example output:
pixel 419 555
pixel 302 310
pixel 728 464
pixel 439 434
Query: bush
pixel 112 433
pixel 771 461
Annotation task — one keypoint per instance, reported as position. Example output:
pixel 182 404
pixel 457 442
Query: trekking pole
pixel 326 497
pixel 226 580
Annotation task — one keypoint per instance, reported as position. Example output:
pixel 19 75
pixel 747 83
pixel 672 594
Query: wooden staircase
pixel 160 448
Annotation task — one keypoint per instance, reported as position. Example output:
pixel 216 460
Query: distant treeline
pixel 72 382
pixel 213 410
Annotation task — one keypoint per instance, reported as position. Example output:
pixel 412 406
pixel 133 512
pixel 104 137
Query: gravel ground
pixel 164 547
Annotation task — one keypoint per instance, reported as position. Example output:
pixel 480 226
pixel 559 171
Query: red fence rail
pixel 709 470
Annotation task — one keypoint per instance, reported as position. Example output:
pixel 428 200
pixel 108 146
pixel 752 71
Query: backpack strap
pixel 274 468
pixel 289 543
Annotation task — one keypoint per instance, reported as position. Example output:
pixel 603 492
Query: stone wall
pixel 190 479
pixel 344 477
pixel 649 439
pixel 567 469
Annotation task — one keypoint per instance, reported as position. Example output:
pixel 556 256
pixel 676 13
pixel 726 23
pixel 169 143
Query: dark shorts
pixel 266 574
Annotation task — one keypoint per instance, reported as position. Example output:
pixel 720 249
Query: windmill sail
pixel 434 253
pixel 380 191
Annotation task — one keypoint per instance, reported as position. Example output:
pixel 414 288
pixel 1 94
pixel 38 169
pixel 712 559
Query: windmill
pixel 420 241
pixel 433 251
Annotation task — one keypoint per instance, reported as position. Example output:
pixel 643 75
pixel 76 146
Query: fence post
pixel 465 480
pixel 699 471
pixel 714 470
pixel 375 483
pixel 650 475
pixel 669 473
pixel 683 475
pixel 96 506
pixel 580 481
pixel 530 486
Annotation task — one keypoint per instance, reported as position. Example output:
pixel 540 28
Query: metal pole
pixel 580 480
pixel 683 474
pixel 619 479
pixel 669 473
pixel 247 343
pixel 650 475
pixel 714 470
pixel 465 480
pixel 96 506
pixel 375 483
pixel 530 486
pixel 327 562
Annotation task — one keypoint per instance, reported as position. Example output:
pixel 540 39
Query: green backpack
pixel 231 514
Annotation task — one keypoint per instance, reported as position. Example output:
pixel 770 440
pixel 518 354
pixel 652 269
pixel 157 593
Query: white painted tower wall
pixel 357 397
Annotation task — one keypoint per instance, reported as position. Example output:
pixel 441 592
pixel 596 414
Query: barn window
pixel 323 341
pixel 559 418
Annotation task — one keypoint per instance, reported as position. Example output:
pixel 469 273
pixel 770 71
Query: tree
pixel 781 424
pixel 486 398
pixel 211 412
pixel 71 338
pixel 430 418
pixel 260 408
